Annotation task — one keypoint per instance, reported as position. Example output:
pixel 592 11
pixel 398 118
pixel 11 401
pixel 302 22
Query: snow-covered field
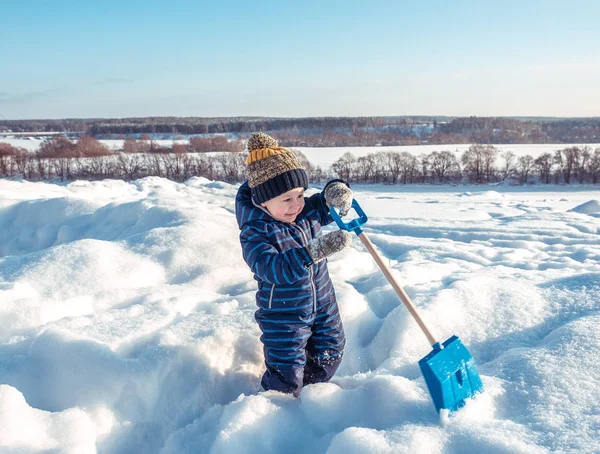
pixel 328 155
pixel 126 323
pixel 325 156
pixel 33 143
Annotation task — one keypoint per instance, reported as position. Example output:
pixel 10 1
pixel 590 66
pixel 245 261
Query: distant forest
pixel 335 131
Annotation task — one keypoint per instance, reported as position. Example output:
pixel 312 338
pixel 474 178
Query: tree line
pixel 478 164
pixel 337 131
pixel 88 158
pixel 199 125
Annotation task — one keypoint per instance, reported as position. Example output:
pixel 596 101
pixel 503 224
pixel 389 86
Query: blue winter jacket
pixel 275 251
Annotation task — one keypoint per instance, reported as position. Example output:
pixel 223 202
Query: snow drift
pixel 126 324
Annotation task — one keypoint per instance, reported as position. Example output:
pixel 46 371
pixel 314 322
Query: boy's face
pixel 286 206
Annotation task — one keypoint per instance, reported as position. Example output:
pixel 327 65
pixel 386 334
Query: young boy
pixel 283 245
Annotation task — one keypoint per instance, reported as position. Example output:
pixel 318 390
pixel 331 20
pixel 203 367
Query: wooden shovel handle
pixel 399 290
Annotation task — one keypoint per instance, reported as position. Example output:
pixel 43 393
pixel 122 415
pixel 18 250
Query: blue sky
pixel 67 59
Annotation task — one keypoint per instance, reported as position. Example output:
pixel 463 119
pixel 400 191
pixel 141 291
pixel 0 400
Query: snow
pixel 326 156
pixel 126 323
pixel 590 207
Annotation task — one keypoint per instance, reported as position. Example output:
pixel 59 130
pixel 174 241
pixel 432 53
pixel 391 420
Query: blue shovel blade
pixel 451 375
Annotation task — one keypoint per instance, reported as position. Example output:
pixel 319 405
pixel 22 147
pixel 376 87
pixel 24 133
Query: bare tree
pixel 232 166
pixel 131 146
pixel 29 166
pixel 380 168
pixel 173 163
pixel 131 166
pixel 220 143
pixel 408 167
pixel 7 153
pixel 472 161
pixel 89 146
pixel 23 162
pixel 524 167
pixel 61 153
pixel 199 145
pixel 154 166
pixel 344 166
pixel 42 165
pixel 217 143
pixel 148 144
pixel 305 163
pixel 478 161
pixel 393 162
pixel 318 175
pixel 543 164
pixel 425 164
pixel 593 166
pixel 99 167
pixel 365 168
pixel 582 163
pixel 509 167
pixel 188 168
pixel 442 164
pixel 222 165
pixel 489 158
pixel 179 148
pixel 566 159
pixel 237 166
pixel 204 167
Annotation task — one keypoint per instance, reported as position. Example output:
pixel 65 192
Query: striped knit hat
pixel 272 170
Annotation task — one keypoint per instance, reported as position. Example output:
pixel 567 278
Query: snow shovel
pixel 449 369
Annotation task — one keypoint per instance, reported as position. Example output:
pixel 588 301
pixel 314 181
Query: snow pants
pixel 299 348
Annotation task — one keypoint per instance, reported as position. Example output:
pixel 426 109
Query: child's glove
pixel 328 244
pixel 338 195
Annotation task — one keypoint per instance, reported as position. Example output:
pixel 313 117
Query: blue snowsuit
pixel 298 314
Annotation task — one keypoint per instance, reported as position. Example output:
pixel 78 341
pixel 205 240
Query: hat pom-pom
pixel 260 140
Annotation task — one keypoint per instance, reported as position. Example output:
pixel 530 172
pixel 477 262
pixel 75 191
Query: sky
pixel 71 59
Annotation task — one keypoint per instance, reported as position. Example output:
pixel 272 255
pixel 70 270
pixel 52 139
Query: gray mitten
pixel 338 195
pixel 328 244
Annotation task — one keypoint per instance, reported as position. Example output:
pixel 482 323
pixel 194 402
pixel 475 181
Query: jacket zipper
pixel 310 275
pixel 271 296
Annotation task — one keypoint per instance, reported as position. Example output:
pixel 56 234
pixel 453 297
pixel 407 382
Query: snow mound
pixel 26 429
pixel 127 324
pixel 593 206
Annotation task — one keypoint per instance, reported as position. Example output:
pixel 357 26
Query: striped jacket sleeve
pixel 268 263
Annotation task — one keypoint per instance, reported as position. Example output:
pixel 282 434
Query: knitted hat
pixel 272 170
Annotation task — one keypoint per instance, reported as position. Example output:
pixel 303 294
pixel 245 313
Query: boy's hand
pixel 328 244
pixel 338 195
